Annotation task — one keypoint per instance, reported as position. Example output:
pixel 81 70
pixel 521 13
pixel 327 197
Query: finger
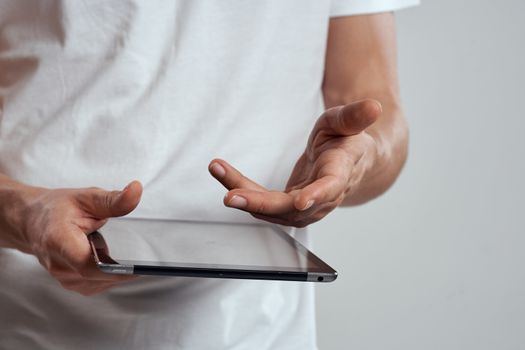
pixel 230 177
pixel 70 275
pixel 272 219
pixel 302 222
pixel 104 204
pixel 87 288
pixel 75 251
pixel 59 269
pixel 332 172
pixel 354 117
pixel 329 188
pixel 266 203
pixel 89 224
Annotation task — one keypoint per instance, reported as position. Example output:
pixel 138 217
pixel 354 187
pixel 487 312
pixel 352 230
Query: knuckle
pixel 86 197
pixel 237 181
pixel 107 200
pixel 260 207
pixel 98 197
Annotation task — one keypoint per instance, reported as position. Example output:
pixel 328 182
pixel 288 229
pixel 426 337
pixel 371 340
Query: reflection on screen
pixel 201 243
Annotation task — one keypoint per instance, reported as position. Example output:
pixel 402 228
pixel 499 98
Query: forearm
pixel 13 199
pixel 361 63
pixel 390 136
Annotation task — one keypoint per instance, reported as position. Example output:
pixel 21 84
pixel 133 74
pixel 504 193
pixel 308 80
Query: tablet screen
pixel 205 244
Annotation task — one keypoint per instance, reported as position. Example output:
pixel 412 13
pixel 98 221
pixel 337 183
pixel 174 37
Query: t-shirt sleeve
pixel 359 7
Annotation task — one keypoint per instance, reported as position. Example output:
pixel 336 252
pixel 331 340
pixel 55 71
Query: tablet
pixel 205 249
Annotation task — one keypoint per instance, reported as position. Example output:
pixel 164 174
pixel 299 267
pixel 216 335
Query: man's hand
pixel 338 154
pixel 53 225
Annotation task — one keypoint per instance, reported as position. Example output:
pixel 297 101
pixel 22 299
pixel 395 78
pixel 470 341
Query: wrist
pixel 382 163
pixel 364 163
pixel 15 201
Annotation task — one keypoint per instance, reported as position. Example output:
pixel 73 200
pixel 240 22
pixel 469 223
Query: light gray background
pixel 439 261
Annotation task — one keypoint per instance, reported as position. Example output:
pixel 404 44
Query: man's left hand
pixel 337 157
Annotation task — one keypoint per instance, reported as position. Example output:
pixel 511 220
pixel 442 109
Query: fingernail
pixel 126 188
pixel 238 202
pixel 379 106
pixel 308 204
pixel 217 170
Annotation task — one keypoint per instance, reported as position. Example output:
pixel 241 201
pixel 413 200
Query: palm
pixel 323 175
pixel 319 162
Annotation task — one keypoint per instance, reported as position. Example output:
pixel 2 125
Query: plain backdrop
pixel 439 261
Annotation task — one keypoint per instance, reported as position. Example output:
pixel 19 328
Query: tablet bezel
pixel 321 273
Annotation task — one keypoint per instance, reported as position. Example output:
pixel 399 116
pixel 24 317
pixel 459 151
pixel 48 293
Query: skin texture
pixel 357 147
pixel 354 153
pixel 53 225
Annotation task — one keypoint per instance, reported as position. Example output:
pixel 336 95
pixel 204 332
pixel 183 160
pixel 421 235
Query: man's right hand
pixel 53 225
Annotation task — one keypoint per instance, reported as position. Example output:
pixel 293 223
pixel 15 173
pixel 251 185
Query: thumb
pixel 355 117
pixel 105 204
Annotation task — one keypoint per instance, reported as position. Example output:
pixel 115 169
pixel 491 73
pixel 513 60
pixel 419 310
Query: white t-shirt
pixel 97 93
